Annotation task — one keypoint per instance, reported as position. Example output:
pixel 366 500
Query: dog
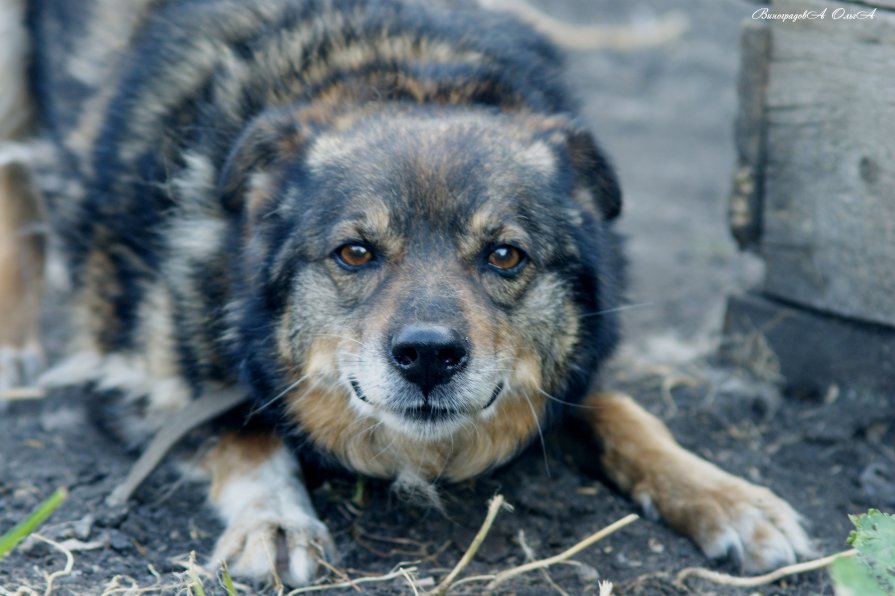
pixel 380 219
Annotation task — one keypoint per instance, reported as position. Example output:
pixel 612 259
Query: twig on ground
pixel 410 580
pixel 191 578
pixel 152 570
pixel 69 563
pixel 399 573
pixel 195 582
pixel 494 507
pixel 196 413
pixel 338 573
pixel 114 586
pixel 758 580
pixel 530 557
pixel 570 552
pixel 669 384
pixel 605 588
pixel 472 579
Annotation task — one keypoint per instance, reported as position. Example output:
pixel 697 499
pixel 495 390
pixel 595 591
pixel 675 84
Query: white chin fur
pixel 423 430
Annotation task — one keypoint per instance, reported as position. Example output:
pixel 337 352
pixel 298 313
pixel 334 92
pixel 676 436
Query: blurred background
pixel 665 115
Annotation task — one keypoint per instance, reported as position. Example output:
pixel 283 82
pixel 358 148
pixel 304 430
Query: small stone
pixel 878 484
pixel 81 529
pixel 111 517
pixel 119 541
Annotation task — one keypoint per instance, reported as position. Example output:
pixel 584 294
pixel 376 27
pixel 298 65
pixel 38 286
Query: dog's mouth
pixel 427 412
pixel 358 391
pixel 494 395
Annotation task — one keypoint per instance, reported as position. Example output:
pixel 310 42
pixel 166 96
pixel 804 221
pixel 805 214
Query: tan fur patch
pixel 21 249
pixel 235 454
pixel 96 302
pixel 722 513
pixel 21 260
pixel 259 193
pixel 632 438
pixel 371 448
pixel 642 458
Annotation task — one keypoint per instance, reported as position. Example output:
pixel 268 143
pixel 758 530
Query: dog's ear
pixel 247 181
pixel 594 186
pixel 596 182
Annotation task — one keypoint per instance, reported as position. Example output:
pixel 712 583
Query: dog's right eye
pixel 506 259
pixel 353 256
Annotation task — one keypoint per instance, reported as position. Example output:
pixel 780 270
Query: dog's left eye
pixel 353 256
pixel 506 258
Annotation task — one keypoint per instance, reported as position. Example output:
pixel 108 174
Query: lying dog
pixel 381 219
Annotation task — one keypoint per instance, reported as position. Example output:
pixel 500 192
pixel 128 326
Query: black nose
pixel 428 355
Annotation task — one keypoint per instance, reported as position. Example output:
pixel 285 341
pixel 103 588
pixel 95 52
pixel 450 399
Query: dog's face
pixel 432 267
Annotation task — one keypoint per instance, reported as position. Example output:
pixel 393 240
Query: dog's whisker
pixel 562 401
pixel 343 337
pixel 385 449
pixel 619 309
pixel 537 422
pixel 279 395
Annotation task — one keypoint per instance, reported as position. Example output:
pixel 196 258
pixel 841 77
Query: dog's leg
pixel 21 277
pixel 21 249
pixel 271 523
pixel 725 515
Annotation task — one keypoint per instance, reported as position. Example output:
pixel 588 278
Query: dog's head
pixel 427 266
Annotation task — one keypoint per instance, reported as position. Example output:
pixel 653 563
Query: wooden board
pixel 745 205
pixel 829 170
pixel 816 355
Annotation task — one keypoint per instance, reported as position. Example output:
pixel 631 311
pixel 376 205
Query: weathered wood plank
pixel 829 200
pixel 749 133
pixel 810 351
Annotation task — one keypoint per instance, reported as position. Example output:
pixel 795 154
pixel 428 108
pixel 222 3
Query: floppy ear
pixel 246 181
pixel 596 183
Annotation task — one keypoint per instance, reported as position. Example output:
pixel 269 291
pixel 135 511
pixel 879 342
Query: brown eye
pixel 506 257
pixel 353 255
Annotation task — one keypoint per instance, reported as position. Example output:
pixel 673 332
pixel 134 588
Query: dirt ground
pixel 666 117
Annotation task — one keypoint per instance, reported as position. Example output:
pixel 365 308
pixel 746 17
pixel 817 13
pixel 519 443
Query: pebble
pixel 119 541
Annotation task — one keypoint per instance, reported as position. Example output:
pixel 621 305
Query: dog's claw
pixel 751 526
pixel 261 549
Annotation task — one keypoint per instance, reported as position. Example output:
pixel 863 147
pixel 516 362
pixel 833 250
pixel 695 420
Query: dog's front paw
pixel 264 548
pixel 729 517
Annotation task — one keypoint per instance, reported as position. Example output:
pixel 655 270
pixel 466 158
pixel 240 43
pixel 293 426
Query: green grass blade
pixel 197 588
pixel 228 581
pixel 23 529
